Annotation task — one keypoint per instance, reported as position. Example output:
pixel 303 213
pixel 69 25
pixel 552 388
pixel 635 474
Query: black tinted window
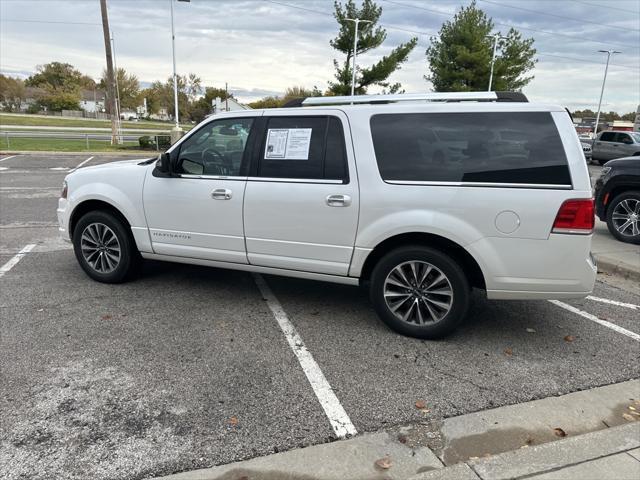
pixel 622 138
pixel 607 136
pixel 303 147
pixel 491 147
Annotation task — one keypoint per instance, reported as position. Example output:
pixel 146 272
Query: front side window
pixel 607 137
pixel 215 149
pixel 623 138
pixel 304 148
pixel 484 147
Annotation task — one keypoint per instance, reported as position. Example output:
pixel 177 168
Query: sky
pixel 261 47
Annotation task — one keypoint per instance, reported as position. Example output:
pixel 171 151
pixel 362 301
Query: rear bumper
pixel 559 267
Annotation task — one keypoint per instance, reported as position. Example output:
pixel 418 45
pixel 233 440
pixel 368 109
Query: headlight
pixel 65 190
pixel 605 170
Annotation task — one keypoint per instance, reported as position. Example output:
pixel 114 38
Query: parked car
pixel 615 144
pixel 351 194
pixel 586 149
pixel 617 194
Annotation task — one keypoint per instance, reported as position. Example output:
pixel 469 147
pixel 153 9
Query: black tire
pixel 129 257
pixel 456 280
pixel 633 201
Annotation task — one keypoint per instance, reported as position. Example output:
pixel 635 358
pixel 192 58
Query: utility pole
pixel 609 53
pixel 356 21
pixel 495 37
pixel 226 96
pixel 111 91
pixel 115 77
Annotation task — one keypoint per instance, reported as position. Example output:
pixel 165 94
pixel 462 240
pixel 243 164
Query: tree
pixel 12 93
pixel 204 105
pixel 370 36
pixel 61 84
pixel 128 86
pixel 289 94
pixel 160 95
pixel 460 56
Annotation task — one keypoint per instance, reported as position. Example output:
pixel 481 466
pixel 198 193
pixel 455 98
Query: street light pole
pixel 176 133
pixel 357 22
pixel 495 37
pixel 606 68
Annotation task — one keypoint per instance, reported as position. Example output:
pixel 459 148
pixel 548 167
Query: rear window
pixel 488 147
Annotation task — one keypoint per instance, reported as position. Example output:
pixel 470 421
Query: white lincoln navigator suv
pixel 419 197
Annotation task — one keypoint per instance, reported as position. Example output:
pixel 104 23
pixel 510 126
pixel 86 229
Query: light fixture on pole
pixel 176 133
pixel 609 53
pixel 356 21
pixel 495 37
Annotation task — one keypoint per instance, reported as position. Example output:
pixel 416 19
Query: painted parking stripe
pixel 7 158
pixel 336 414
pixel 80 164
pixel 613 302
pixel 15 259
pixel 593 318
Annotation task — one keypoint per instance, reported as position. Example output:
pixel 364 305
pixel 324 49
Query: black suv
pixel 617 193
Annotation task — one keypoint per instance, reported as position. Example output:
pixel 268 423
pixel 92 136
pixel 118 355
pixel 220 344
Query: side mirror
pixel 163 165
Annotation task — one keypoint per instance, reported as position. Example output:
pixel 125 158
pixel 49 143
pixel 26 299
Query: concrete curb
pixel 139 153
pixel 612 267
pixel 550 457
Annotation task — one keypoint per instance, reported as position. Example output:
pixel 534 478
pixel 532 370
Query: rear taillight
pixel 575 216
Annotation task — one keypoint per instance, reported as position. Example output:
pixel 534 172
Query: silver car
pixel 615 144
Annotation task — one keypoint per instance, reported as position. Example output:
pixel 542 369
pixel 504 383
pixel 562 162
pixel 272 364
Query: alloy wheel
pixel 100 247
pixel 418 293
pixel 626 217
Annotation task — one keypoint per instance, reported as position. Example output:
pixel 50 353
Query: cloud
pixel 262 47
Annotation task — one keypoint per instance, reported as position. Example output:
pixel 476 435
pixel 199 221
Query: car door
pixel 302 199
pixel 624 145
pixel 602 146
pixel 197 212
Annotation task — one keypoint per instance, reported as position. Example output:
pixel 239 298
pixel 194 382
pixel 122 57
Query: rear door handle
pixel 338 200
pixel 221 194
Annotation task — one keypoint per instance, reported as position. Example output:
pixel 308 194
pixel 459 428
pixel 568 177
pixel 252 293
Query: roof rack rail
pixel 417 97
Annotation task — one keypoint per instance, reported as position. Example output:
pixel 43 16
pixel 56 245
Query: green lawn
pixel 39 121
pixel 58 145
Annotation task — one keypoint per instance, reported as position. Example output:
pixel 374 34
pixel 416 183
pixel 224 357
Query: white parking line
pixel 7 158
pixel 593 318
pixel 613 302
pixel 336 414
pixel 15 259
pixel 80 165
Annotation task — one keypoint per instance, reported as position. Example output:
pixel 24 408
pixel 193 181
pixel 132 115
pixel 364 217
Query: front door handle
pixel 338 200
pixel 221 194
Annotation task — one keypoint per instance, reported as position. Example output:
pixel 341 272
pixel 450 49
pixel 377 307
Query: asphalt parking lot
pixel 188 367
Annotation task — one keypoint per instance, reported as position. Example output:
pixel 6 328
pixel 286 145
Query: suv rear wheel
pixel 104 247
pixel 623 217
pixel 420 292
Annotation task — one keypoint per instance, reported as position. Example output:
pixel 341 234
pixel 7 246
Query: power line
pixel 576 37
pixel 47 21
pixel 608 6
pixel 617 27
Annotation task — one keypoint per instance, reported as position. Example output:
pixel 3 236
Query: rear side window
pixel 304 148
pixel 607 137
pixel 487 147
pixel 622 138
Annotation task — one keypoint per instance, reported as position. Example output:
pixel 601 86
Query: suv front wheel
pixel 623 217
pixel 104 247
pixel 420 292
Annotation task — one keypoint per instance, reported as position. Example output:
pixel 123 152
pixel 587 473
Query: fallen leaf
pixel 531 330
pixel 421 405
pixel 569 338
pixel 233 421
pixel 41 309
pixel 524 446
pixel 384 463
pixel 106 317
pixel 628 417
pixel 559 432
pixel 508 352
pixel 631 407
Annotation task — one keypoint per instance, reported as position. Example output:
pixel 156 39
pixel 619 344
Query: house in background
pixel 92 101
pixel 228 105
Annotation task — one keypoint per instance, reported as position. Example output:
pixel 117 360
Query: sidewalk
pixel 615 257
pixel 593 434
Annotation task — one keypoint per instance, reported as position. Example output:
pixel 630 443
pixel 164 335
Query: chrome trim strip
pixel 401 97
pixel 211 177
pixel 294 180
pixel 482 184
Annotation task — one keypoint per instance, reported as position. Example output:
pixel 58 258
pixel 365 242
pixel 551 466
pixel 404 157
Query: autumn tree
pixel 460 56
pixel 370 36
pixel 12 93
pixel 128 86
pixel 61 84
